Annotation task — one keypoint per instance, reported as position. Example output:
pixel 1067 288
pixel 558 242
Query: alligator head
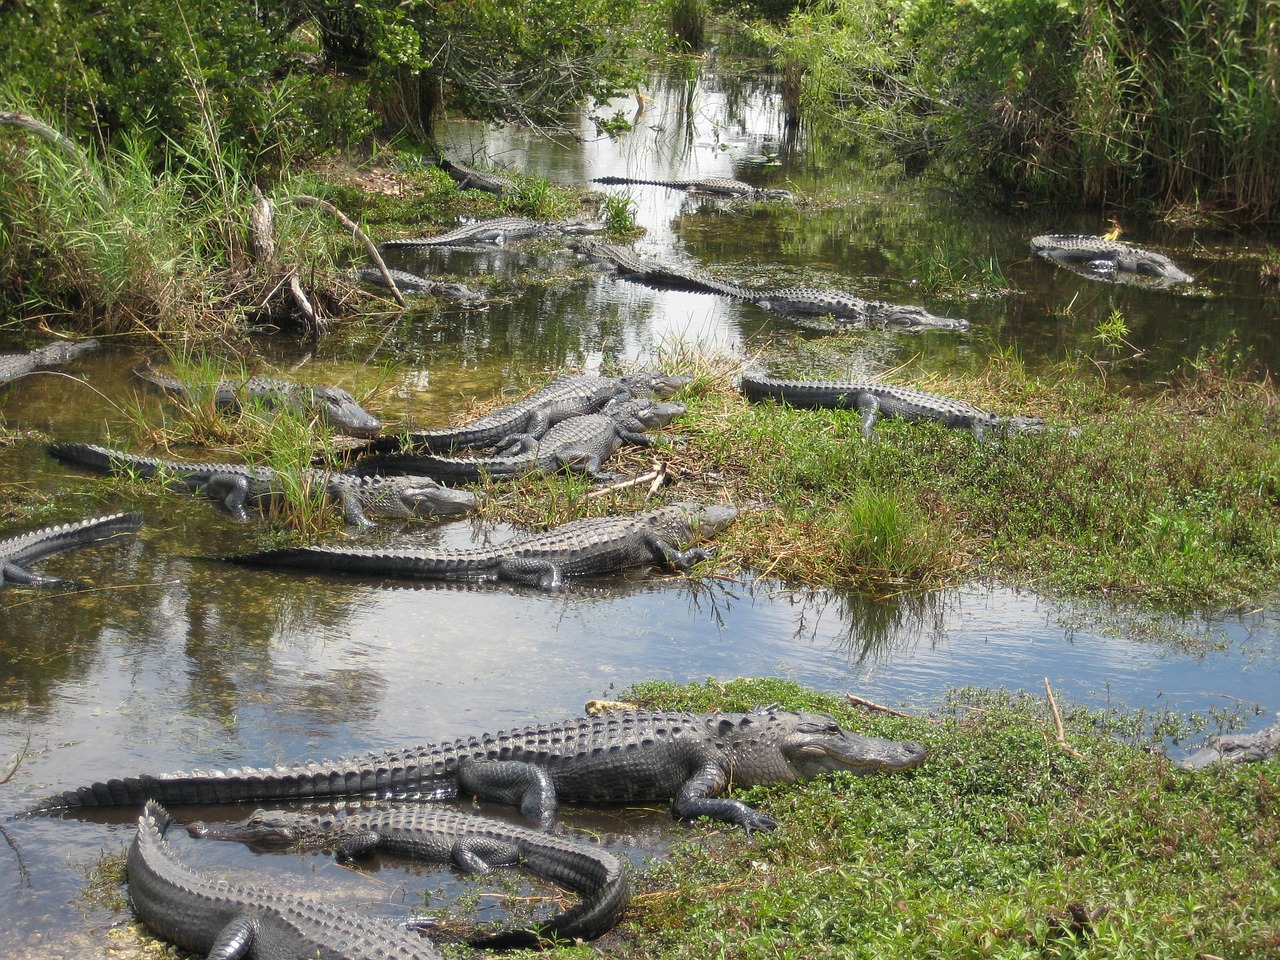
pixel 341 411
pixel 769 745
pixel 425 497
pixel 263 827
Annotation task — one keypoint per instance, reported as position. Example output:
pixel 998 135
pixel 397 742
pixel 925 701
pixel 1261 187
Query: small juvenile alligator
pixel 873 399
pixel 1235 748
pixel 721 186
pixel 571 395
pixel 26 548
pixel 333 405
pixel 469 179
pixel 15 365
pixel 238 485
pixel 615 757
pixel 1098 255
pixel 584 548
pixel 472 843
pixel 499 230
pixel 412 284
pixel 579 444
pixel 224 920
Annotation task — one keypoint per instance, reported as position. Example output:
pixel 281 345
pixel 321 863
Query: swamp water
pixel 156 659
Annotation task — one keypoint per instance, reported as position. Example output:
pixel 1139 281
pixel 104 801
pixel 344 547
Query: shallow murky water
pixel 158 659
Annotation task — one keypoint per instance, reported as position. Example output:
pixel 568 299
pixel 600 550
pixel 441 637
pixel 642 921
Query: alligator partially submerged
pixel 17 552
pixel 591 547
pixel 499 230
pixel 1235 748
pixel 224 920
pixel 571 395
pixel 812 302
pixel 239 486
pixel 873 399
pixel 15 365
pixel 470 179
pixel 719 186
pixel 471 843
pixel 332 405
pixel 1100 256
pixel 615 757
pixel 410 284
pixel 579 445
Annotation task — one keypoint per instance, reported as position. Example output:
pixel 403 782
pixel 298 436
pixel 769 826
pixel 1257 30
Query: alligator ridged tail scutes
pixel 498 230
pixel 225 920
pixel 15 365
pixel 472 843
pixel 27 548
pixel 720 186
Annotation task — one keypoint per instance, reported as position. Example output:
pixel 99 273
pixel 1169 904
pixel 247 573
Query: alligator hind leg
pixel 511 781
pixel 11 573
pixel 869 408
pixel 232 489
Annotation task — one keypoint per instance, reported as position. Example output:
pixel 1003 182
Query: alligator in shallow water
pixel 615 757
pixel 238 485
pixel 579 445
pixel 332 405
pixel 1100 256
pixel 873 400
pixel 27 548
pixel 224 920
pixel 1235 748
pixel 411 284
pixel 720 186
pixel 15 365
pixel 469 179
pixel 472 843
pixel 499 230
pixel 571 395
pixel 584 548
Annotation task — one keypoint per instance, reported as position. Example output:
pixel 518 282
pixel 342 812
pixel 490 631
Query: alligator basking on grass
pixel 579 445
pixel 472 843
pixel 410 284
pixel 571 395
pixel 332 405
pixel 1235 748
pixel 26 548
pixel 873 400
pixel 469 179
pixel 1100 256
pixel 615 757
pixel 238 485
pixel 812 302
pixel 499 230
pixel 719 186
pixel 224 920
pixel 15 365
pixel 591 547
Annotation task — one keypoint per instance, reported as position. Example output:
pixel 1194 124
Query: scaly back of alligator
pixel 15 365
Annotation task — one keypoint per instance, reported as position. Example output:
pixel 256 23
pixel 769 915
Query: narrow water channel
pixel 156 658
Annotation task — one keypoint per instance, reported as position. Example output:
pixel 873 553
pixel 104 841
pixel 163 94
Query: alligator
pixel 616 757
pixel 470 842
pixel 223 919
pixel 579 444
pixel 720 186
pixel 17 552
pixel 333 405
pixel 590 547
pixel 499 230
pixel 237 484
pixel 1235 748
pixel 469 179
pixel 873 399
pixel 571 395
pixel 412 284
pixel 790 301
pixel 15 365
pixel 1100 256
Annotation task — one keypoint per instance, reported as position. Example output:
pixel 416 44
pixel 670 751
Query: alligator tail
pixel 99 458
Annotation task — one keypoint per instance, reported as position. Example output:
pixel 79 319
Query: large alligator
pixel 468 179
pixel 333 405
pixel 1235 748
pixel 873 399
pixel 615 757
pixel 790 301
pixel 412 284
pixel 225 920
pixel 238 485
pixel 579 444
pixel 26 548
pixel 1100 256
pixel 571 395
pixel 720 186
pixel 15 365
pixel 499 230
pixel 472 843
pixel 584 548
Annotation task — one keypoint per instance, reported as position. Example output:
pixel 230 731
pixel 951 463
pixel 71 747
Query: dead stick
pixel 305 200
pixel 1057 721
pixel 653 476
pixel 880 707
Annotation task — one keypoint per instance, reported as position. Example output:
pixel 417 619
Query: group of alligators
pixel 573 423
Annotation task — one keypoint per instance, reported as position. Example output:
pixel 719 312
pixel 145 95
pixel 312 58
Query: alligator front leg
pixel 695 800
pixel 511 781
pixel 869 408
pixel 353 509
pixel 682 560
pixel 532 572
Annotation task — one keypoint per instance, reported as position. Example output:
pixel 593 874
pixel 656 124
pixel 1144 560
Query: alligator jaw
pixel 851 753
pixel 259 827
